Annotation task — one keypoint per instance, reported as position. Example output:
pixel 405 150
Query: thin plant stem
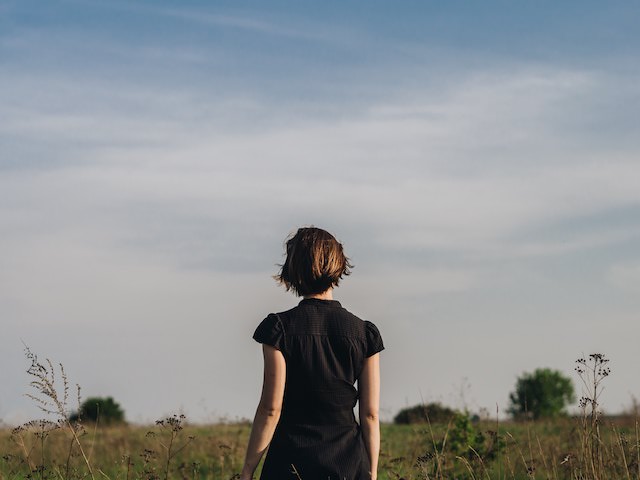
pixel 67 466
pixel 95 431
pixel 618 437
pixel 294 470
pixel 498 443
pixel 468 465
pixel 484 467
pixel 542 455
pixel 104 474
pixel 637 449
pixel 439 455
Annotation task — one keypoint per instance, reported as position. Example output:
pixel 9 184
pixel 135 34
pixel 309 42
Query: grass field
pixel 175 449
pixel 588 447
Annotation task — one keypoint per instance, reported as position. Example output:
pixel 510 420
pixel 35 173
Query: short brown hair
pixel 315 262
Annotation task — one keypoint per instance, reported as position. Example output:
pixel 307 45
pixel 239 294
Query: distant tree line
pixel 545 393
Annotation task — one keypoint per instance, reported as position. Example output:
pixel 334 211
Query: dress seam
pixel 323 335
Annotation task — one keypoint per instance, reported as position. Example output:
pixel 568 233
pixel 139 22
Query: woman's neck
pixel 326 295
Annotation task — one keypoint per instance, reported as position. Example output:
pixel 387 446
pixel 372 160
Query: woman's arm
pixel 268 411
pixel 369 390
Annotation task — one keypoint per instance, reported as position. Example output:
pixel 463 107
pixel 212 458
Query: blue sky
pixel 479 160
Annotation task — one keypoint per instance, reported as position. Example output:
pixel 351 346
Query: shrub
pixel 469 441
pixel 434 412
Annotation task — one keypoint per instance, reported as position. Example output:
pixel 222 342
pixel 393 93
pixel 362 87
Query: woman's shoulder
pixel 365 329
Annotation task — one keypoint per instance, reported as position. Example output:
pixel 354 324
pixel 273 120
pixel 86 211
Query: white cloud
pixel 417 168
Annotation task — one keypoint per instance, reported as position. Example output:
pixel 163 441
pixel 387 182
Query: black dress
pixel 324 347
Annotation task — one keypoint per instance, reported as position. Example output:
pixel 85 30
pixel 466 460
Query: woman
pixel 313 355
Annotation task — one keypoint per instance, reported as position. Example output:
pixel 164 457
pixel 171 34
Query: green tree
pixel 104 410
pixel 543 393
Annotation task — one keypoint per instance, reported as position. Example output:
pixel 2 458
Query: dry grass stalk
pixel 55 403
pixel 592 372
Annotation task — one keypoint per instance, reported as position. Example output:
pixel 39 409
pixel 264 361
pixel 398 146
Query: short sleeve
pixel 270 332
pixel 374 339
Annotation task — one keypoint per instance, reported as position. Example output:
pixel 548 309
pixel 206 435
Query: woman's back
pixel 324 346
pixel 313 356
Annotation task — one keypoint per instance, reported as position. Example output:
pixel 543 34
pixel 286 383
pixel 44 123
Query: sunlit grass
pixel 588 447
pixel 532 450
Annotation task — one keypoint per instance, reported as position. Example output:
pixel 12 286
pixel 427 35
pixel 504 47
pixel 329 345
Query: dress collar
pixel 319 301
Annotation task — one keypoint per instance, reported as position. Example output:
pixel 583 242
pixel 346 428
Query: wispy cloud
pixel 142 199
pixel 256 22
pixel 252 24
pixel 445 171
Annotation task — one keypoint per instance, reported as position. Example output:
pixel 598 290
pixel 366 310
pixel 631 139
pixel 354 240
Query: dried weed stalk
pixel 592 372
pixel 52 400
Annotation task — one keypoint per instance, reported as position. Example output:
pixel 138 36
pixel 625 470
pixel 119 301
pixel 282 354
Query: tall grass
pixel 588 447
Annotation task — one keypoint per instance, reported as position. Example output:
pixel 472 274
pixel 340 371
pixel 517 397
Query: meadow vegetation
pixel 453 446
